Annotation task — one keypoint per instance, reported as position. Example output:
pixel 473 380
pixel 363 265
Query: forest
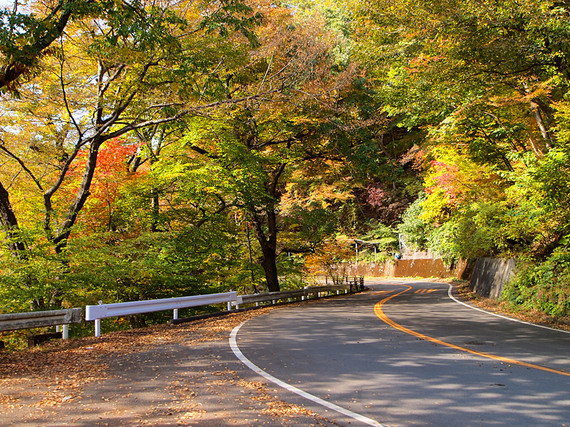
pixel 159 148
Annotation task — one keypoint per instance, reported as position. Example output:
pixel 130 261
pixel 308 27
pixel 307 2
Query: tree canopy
pixel 159 148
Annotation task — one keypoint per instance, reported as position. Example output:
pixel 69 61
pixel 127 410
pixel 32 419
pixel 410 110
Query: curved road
pixel 405 353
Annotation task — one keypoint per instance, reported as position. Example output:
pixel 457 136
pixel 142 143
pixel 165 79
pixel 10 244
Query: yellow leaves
pixel 540 89
pixel 330 258
pixel 422 61
pixel 454 180
pixel 435 207
pixel 563 116
pixel 312 188
pixel 299 120
pixel 213 258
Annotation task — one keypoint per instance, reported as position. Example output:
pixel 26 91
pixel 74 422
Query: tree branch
pixel 22 165
pixel 15 67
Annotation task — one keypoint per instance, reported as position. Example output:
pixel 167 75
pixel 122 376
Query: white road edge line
pixel 501 316
pixel 312 398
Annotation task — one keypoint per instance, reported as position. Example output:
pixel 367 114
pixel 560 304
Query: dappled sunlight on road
pixel 340 351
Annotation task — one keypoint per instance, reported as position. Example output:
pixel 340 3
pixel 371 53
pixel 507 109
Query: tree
pixel 302 135
pixel 487 83
pixel 25 39
pixel 446 55
pixel 27 35
pixel 109 78
pixel 121 76
pixel 105 208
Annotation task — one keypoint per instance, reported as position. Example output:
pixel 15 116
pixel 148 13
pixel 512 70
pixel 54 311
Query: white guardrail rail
pixel 102 311
pixel 304 293
pixel 15 321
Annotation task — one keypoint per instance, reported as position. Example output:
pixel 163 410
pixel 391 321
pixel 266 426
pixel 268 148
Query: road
pixel 405 354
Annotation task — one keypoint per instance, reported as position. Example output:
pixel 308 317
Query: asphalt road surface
pixel 405 354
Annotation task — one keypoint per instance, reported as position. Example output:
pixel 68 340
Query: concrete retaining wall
pixel 487 275
pixel 490 275
pixel 408 267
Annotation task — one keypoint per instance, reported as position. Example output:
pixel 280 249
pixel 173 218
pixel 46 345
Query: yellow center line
pixel 382 316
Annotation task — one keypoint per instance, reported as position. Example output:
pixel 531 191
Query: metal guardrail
pixel 15 321
pixel 38 319
pixel 351 286
pixel 269 296
pixel 102 311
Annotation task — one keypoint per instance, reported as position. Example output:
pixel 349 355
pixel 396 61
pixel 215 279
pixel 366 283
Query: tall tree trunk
pixel 269 265
pixel 540 112
pixel 155 209
pixel 266 231
pixel 270 251
pixel 539 119
pixel 250 251
pixel 154 194
pixel 10 223
pixel 268 241
pixel 83 193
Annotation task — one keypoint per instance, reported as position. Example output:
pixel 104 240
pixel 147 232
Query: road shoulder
pixel 164 375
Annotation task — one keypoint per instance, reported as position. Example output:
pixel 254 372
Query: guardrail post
pixel 97 327
pixel 65 332
pixel 238 301
pixel 175 314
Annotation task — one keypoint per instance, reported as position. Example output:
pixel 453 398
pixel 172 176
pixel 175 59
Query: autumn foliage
pixel 230 144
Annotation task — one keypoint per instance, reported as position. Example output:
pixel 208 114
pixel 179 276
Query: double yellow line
pixel 380 313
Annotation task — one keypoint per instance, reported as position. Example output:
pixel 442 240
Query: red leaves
pixel 113 157
pixel 111 175
pixel 445 178
pixel 377 195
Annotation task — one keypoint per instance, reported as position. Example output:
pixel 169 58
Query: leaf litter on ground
pixel 50 375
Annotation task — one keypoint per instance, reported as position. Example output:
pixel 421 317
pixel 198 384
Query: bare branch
pixel 194 110
pixel 22 165
pixel 64 92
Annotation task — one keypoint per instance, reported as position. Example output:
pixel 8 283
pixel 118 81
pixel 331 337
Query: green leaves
pixel 31 281
pixel 543 287
pixel 228 16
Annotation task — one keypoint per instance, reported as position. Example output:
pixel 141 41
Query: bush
pixel 414 229
pixel 544 286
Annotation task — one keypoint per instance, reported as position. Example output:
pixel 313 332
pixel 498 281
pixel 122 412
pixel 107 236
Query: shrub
pixel 542 286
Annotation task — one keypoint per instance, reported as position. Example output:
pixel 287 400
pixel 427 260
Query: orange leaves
pixel 446 178
pixel 423 61
pixel 454 180
pixel 331 259
pixel 111 176
pixel 316 186
pixel 114 155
